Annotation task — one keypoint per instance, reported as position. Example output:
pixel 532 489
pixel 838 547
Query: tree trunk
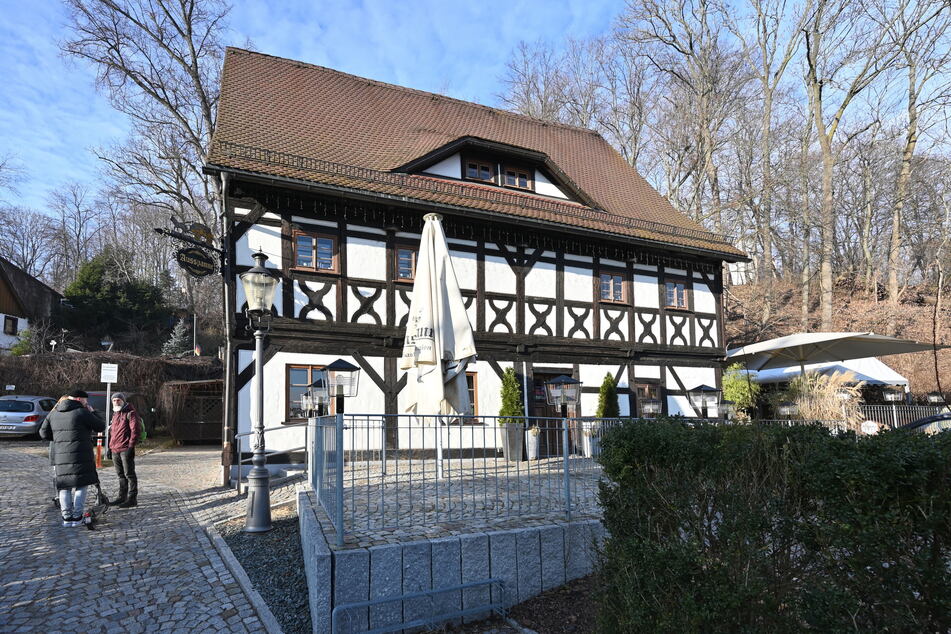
pixel 826 236
pixel 901 191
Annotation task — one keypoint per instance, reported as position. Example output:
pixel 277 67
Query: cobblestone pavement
pixel 151 568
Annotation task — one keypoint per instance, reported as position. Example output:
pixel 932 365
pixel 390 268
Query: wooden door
pixel 549 418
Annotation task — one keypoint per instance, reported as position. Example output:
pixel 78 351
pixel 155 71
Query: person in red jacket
pixel 123 436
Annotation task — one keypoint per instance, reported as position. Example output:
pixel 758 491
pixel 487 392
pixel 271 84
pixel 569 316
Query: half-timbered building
pixel 569 262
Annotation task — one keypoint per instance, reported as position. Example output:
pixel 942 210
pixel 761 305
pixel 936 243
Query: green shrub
pixel 511 398
pixel 749 528
pixel 738 387
pixel 607 399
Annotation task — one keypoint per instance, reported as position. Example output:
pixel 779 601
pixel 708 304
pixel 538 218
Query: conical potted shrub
pixel 511 417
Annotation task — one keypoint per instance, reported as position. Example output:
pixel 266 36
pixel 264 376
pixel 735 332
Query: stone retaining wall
pixel 530 560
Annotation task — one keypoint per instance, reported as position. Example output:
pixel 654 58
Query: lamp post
pixel 705 399
pixel 650 407
pixel 343 379
pixel 314 400
pixel 893 395
pixel 259 286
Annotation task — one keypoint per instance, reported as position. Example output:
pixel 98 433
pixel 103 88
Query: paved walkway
pixel 151 568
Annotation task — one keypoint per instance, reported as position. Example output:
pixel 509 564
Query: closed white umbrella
pixel 818 347
pixel 439 342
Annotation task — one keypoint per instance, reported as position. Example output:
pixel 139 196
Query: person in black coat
pixel 70 426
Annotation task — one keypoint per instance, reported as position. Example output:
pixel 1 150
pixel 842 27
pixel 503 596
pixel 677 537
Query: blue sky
pixel 51 115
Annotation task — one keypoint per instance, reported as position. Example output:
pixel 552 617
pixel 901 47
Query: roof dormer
pixel 499 165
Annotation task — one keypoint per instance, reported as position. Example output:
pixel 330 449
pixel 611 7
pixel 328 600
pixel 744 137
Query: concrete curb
pixel 257 602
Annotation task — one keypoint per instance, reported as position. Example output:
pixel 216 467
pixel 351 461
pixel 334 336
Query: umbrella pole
pixel 439 474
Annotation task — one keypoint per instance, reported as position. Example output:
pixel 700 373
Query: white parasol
pixel 817 347
pixel 439 342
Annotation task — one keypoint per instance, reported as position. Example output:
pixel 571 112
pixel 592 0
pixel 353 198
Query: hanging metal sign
pixel 195 261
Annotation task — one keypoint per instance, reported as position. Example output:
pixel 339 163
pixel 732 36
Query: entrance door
pixel 548 417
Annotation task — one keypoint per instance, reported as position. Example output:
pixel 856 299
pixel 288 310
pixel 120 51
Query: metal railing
pixel 896 415
pixel 396 471
pixel 268 453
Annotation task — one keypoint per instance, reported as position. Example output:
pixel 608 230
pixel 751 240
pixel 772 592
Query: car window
pixel 16 406
pixel 47 404
pixel 98 402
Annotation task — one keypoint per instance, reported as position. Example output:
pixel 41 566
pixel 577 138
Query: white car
pixel 23 415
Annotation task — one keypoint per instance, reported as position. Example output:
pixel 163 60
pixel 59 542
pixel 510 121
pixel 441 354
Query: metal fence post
pixel 338 516
pixel 567 479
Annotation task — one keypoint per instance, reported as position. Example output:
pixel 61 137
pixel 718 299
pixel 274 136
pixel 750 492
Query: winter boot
pixel 129 503
pixel 123 494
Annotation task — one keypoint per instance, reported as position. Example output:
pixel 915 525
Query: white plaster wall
pixel 545 187
pixel 645 292
pixel 7 341
pixel 703 299
pixel 402 308
pixel 466 267
pixel 713 333
pixel 312 221
pixel 365 229
pixel 671 331
pixel 691 377
pixel 646 267
pixel 541 280
pixel 569 322
pixel 468 243
pixel 579 258
pixel 499 277
pixel 329 301
pixel 605 324
pixel 240 298
pixel 379 306
pixel 451 167
pixel 369 398
pixel 647 371
pixel 267 238
pixel 472 312
pixel 679 405
pixel 408 236
pixel 615 263
pixel 676 271
pixel 593 376
pixel 366 259
pixel 578 284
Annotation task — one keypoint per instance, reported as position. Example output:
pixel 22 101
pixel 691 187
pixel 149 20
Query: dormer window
pixel 480 171
pixel 517 177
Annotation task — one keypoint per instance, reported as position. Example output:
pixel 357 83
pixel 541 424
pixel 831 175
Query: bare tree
pixel 158 61
pixel 919 34
pixel 77 221
pixel 845 52
pixel 28 239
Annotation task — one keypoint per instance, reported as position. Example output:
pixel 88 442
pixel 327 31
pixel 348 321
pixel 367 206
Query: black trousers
pixel 125 470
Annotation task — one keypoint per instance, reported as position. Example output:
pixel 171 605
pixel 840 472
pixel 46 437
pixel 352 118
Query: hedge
pixel 748 528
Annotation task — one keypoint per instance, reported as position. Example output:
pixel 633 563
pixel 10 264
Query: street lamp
pixel 343 379
pixel 706 399
pixel 727 410
pixel 935 398
pixel 650 407
pixel 787 409
pixel 259 286
pixel 563 390
pixel 314 400
pixel 893 395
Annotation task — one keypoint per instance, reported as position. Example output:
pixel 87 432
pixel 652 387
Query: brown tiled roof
pixel 285 118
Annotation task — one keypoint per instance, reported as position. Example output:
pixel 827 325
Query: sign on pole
pixel 109 373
